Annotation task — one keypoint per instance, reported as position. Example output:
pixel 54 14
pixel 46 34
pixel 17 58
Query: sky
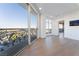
pixel 13 15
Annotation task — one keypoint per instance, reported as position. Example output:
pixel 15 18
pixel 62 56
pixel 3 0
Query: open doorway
pixel 61 29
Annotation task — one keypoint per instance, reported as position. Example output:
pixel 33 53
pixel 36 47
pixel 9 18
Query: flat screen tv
pixel 74 23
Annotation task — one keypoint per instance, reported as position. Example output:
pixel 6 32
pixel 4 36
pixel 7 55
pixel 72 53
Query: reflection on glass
pixel 33 28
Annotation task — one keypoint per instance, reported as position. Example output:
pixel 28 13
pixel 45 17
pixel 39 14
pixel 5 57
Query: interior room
pixel 39 29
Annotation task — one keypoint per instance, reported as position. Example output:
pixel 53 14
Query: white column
pixel 38 26
pixel 42 26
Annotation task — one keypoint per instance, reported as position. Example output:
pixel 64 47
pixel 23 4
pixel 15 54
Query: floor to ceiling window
pixel 18 27
pixel 33 27
pixel 48 27
pixel 13 28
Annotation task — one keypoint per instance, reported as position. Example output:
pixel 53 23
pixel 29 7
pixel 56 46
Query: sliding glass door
pixel 33 23
pixel 13 28
pixel 18 27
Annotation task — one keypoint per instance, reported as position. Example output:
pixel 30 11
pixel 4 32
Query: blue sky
pixel 14 16
pixel 33 21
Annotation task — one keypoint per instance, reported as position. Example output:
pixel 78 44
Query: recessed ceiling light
pixel 40 8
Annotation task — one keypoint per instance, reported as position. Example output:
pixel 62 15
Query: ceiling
pixel 57 10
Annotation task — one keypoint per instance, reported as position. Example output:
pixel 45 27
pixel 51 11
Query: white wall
pixel 71 32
